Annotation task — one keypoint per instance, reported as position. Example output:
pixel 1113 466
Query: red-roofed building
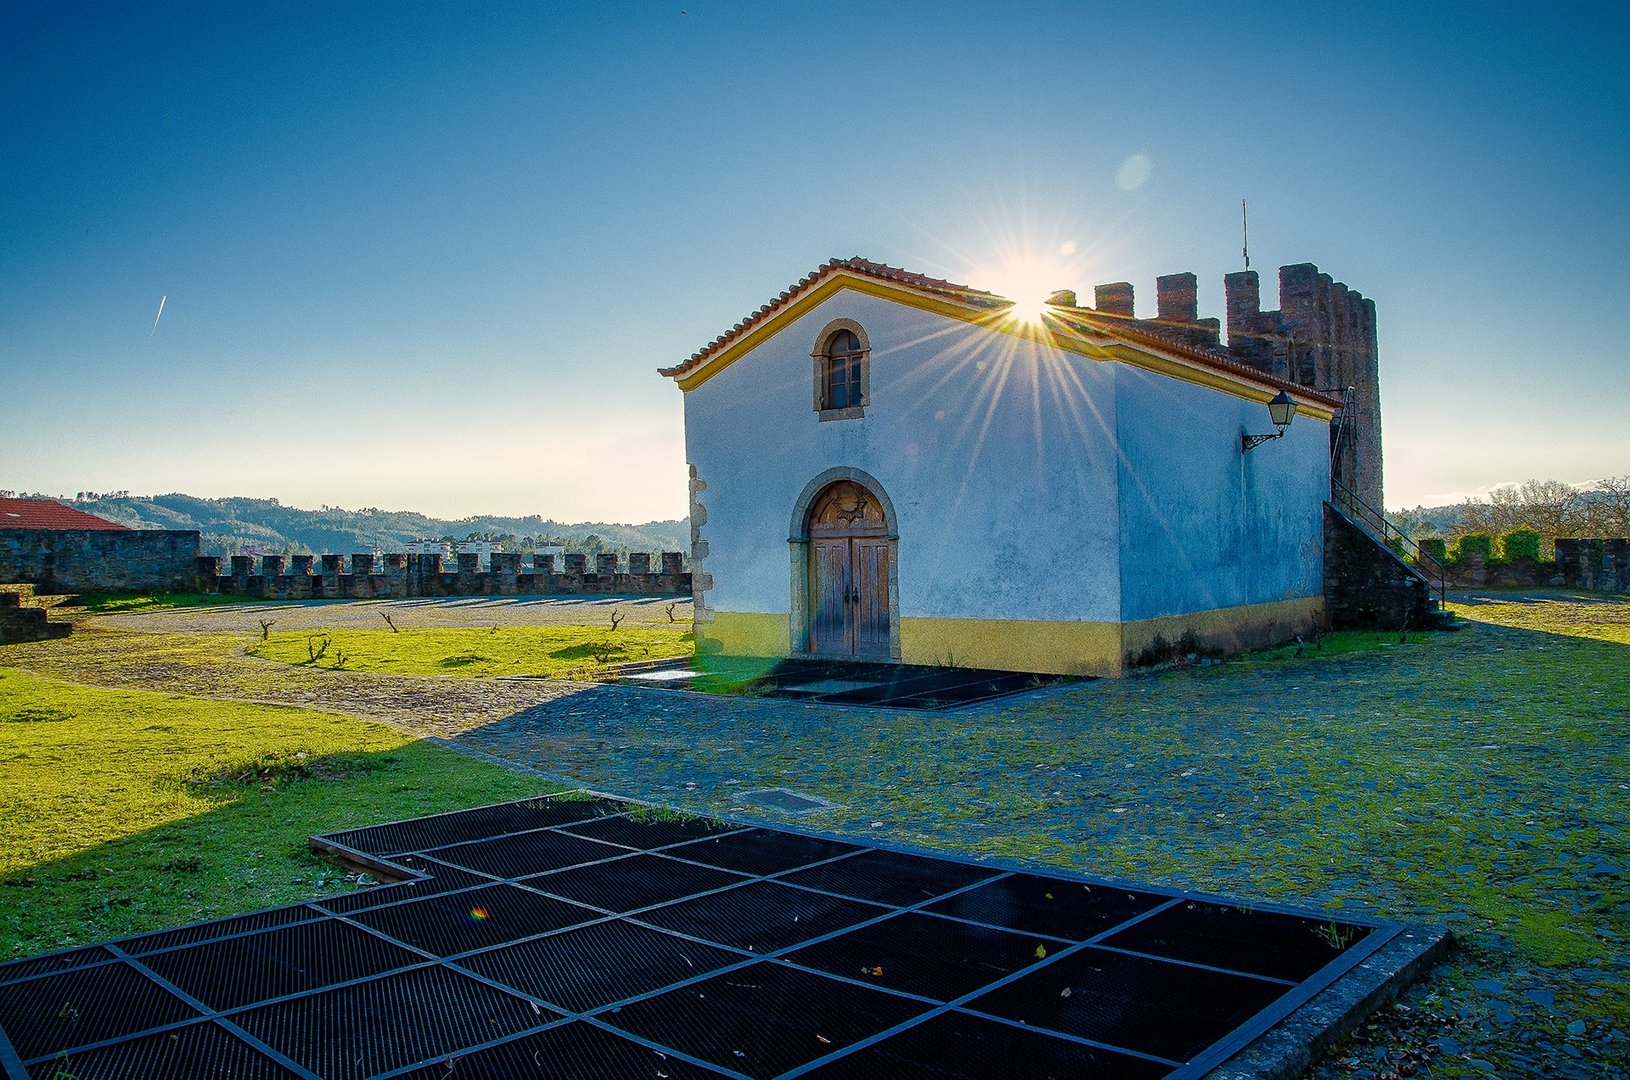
pixel 48 514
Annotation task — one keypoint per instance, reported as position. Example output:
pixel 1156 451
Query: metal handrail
pixel 1376 523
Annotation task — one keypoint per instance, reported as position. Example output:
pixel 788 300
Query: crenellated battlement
pixel 1321 336
pixel 367 576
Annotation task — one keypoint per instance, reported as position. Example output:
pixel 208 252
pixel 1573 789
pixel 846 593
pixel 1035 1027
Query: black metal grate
pixel 197 1050
pixel 957 1046
pixel 762 851
pixel 452 923
pixel 53 962
pixel 442 879
pixel 596 965
pixel 890 877
pixel 635 882
pixel 761 917
pixel 1058 907
pixel 619 941
pixel 843 682
pixel 1152 1006
pixel 924 955
pixel 745 1019
pixel 419 834
pixel 53 1013
pixel 243 970
pixel 1266 943
pixel 645 830
pixel 210 931
pixel 527 853
pixel 373 1027
pixel 573 1051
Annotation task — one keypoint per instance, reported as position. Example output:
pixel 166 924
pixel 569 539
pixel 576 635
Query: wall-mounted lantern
pixel 1281 410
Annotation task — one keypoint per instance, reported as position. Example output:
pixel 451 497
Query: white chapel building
pixel 890 467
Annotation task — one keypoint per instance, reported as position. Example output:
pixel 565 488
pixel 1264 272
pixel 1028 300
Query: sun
pixel 1028 282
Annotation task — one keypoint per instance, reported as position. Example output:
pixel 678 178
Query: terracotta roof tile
pixel 1078 319
pixel 48 514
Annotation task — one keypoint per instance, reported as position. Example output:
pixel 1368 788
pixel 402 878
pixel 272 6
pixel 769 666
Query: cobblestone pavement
pixel 1481 780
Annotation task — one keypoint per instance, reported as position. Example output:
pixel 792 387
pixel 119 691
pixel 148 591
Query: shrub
pixel 1435 547
pixel 1521 543
pixel 1480 545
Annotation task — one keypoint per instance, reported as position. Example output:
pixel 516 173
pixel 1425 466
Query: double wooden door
pixel 848 574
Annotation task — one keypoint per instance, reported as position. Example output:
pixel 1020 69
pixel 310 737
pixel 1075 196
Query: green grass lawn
pixel 124 811
pixel 556 652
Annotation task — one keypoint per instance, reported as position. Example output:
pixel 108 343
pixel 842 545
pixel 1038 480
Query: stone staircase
pixel 1375 575
pixel 26 623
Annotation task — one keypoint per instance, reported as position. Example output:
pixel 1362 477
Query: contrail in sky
pixel 163 298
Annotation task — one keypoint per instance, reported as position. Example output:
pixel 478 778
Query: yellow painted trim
pixel 1062 648
pixel 1048 646
pixel 1002 321
pixel 745 633
pixel 1228 630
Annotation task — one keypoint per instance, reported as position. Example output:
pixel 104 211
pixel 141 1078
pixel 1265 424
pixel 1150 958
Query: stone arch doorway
pixel 845 554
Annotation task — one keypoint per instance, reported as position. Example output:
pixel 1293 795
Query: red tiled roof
pixel 48 514
pixel 1078 319
pixel 1168 338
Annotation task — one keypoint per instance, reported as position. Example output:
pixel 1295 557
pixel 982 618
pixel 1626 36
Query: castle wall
pixel 394 576
pixel 100 560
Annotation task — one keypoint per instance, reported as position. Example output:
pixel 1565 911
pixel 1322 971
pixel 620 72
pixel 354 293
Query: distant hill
pixel 231 525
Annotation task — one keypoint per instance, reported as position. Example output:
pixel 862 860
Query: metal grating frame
pixel 603 937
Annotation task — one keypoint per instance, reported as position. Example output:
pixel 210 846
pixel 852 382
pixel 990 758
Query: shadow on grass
pixel 248 852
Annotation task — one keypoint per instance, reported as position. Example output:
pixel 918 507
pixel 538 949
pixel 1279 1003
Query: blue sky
pixel 429 256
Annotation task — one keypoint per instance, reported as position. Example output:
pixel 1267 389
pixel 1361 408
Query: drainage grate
pixel 890 877
pixel 762 851
pixel 758 950
pixel 440 878
pixel 1072 910
pixel 243 970
pixel 843 682
pixel 596 965
pixel 788 802
pixel 1152 1006
pixel 920 954
pixel 1264 943
pixel 459 922
pixel 373 1027
pixel 570 1050
pixel 210 931
pixel 53 962
pixel 741 1019
pixel 635 882
pixel 202 1049
pixel 528 853
pixel 420 834
pixel 648 829
pixel 761 917
pixel 87 1005
pixel 964 1047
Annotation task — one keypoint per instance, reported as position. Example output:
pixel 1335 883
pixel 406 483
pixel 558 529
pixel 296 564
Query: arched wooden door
pixel 848 573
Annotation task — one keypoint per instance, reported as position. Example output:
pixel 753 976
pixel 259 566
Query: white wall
pixel 1203 525
pixel 997 454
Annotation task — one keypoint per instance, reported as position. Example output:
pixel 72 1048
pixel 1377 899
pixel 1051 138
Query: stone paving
pixel 1480 780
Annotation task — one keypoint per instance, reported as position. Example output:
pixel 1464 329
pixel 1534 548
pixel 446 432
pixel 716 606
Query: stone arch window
pixel 842 371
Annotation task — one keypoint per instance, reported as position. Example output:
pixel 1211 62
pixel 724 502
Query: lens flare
pixel 477 915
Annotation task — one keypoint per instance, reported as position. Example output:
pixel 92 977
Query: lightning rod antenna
pixel 1245 235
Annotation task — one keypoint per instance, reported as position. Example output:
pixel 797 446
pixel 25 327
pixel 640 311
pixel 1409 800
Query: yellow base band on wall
pixel 1046 646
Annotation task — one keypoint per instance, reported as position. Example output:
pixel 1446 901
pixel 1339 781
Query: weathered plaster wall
pixel 996 453
pixel 100 560
pixel 1205 526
